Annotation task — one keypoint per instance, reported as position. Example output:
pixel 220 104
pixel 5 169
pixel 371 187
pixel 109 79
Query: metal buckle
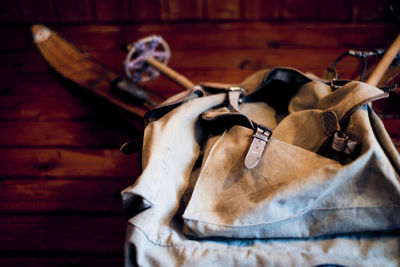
pixel 263 133
pixel 235 88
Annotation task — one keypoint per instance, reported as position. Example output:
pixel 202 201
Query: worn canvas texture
pixel 303 203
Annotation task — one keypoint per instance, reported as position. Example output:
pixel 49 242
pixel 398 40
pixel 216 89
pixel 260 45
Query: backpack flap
pixel 293 191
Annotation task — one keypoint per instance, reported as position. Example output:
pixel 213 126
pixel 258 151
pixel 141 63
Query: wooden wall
pixel 144 11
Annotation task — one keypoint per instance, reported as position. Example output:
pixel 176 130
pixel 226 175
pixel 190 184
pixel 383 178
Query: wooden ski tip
pixel 40 33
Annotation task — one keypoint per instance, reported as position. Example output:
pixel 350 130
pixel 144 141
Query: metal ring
pixel 135 64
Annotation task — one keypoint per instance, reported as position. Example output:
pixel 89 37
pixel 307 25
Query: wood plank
pixel 49 89
pixel 37 11
pixel 388 108
pixel 66 163
pixel 255 59
pixel 62 234
pixel 251 35
pixel 40 97
pixel 299 9
pixel 44 88
pixel 73 11
pixel 111 10
pixel 9 12
pixel 47 108
pixel 22 258
pixel 145 10
pixel 260 9
pixel 392 127
pixel 30 83
pixel 59 196
pixel 43 107
pixel 58 100
pixel 238 36
pixel 189 10
pixel 208 67
pixel 22 61
pixel 372 10
pixel 339 10
pixel 15 38
pixel 100 134
pixel 222 10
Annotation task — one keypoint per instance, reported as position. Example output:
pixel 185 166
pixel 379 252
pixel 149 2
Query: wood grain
pixel 89 11
pixel 62 234
pixel 191 36
pixel 14 38
pixel 252 59
pixel 299 10
pixel 371 10
pixel 182 10
pixel 339 10
pixel 111 10
pixel 222 10
pixel 260 9
pixel 65 134
pixel 66 163
pixel 44 107
pixel 73 11
pixel 145 10
pixel 59 260
pixel 37 11
pixel 9 12
pixel 393 127
pixel 62 197
pixel 31 84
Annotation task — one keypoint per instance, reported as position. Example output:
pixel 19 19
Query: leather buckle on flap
pixel 342 143
pixel 234 94
pixel 236 88
pixel 261 137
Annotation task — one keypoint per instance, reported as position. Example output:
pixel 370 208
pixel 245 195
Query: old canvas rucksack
pixel 280 170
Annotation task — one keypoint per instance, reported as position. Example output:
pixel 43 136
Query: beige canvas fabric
pixel 198 203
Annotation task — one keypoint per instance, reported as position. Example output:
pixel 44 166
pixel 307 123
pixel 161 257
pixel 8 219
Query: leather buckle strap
pixel 342 143
pixel 234 94
pixel 261 137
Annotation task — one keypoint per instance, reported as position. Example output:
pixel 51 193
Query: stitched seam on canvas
pixel 291 217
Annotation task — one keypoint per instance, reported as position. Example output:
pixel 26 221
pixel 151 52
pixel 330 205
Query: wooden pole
pixel 170 73
pixel 385 62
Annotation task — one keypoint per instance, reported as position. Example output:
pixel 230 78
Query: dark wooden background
pixel 142 11
pixel 60 168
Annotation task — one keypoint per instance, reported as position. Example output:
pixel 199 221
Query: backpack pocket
pixel 291 193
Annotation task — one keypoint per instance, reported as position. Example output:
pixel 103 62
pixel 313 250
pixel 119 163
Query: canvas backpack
pixel 283 169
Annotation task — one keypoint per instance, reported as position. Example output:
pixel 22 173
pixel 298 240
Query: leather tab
pixel 330 122
pixel 344 101
pixel 234 94
pixel 257 146
pixel 342 143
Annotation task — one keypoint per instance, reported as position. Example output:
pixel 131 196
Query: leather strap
pixel 260 139
pixel 261 135
pixel 349 98
pixel 342 143
pixel 234 94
